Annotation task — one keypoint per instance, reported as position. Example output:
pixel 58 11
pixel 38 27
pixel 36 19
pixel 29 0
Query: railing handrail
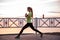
pixel 39 22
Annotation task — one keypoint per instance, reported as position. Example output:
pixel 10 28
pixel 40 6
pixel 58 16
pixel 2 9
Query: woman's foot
pixel 17 37
pixel 41 35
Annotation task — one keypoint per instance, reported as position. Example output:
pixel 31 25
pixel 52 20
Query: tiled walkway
pixel 31 37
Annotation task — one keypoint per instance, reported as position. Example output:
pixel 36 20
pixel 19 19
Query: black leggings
pixel 31 26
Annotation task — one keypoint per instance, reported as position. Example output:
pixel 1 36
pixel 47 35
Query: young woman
pixel 29 17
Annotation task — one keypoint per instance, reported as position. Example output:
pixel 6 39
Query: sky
pixel 18 8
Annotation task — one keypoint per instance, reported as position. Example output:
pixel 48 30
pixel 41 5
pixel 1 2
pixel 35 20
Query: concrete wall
pixel 28 30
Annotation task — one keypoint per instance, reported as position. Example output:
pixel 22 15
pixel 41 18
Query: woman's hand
pixel 26 15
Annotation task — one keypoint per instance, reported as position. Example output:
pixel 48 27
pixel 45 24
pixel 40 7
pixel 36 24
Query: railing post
pixel 36 23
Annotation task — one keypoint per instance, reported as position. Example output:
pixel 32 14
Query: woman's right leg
pixel 22 30
pixel 31 26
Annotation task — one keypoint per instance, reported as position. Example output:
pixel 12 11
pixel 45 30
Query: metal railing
pixel 37 22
